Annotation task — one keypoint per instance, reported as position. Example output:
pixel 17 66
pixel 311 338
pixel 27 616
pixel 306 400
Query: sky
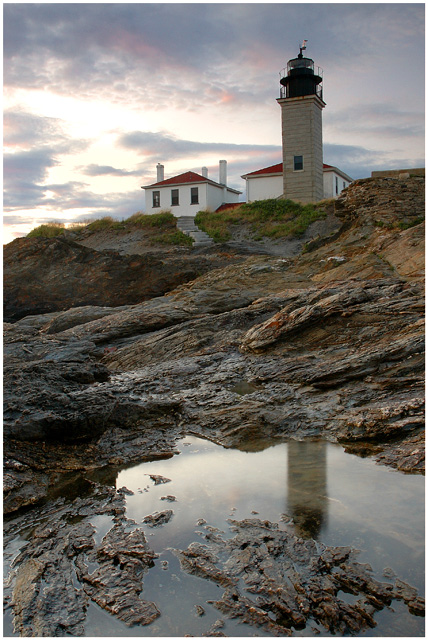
pixel 95 95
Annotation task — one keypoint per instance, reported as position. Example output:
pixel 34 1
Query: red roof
pixel 228 205
pixel 275 168
pixel 190 177
pixel 183 178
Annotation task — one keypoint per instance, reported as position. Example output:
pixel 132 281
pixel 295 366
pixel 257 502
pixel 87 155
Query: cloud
pixel 192 55
pixel 34 145
pixel 217 63
pixel 105 170
pixel 165 145
pixel 24 130
pixel 381 119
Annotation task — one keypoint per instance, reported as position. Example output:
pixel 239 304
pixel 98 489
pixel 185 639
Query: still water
pixel 311 488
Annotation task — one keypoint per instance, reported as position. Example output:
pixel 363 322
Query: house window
pixel 298 163
pixel 344 186
pixel 194 195
pixel 337 185
pixel 174 197
pixel 156 198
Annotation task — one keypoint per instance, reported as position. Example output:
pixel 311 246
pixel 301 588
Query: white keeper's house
pixel 269 182
pixel 189 192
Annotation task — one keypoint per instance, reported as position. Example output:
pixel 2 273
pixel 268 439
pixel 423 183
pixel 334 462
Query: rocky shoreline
pixel 327 344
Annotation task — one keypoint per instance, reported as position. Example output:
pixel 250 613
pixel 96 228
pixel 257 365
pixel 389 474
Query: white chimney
pixel 205 172
pixel 222 171
pixel 160 172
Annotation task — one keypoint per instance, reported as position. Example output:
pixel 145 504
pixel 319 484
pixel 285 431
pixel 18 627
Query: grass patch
pixel 266 218
pixel 173 238
pixel 161 228
pixel 49 230
pixel 105 223
pixel 163 219
pixel 408 224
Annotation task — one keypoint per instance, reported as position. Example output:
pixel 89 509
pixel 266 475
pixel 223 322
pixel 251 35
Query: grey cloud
pixel 27 130
pixel 23 174
pixel 187 55
pixel 105 170
pixel 381 119
pixel 165 145
pixel 359 162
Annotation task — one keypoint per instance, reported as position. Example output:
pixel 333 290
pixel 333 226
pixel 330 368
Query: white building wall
pixel 219 195
pixel 210 197
pixel 329 178
pixel 264 187
pixel 184 208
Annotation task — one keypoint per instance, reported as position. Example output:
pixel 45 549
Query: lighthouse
pixel 301 101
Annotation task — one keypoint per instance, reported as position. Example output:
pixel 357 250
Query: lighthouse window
pixel 156 198
pixel 298 163
pixel 194 195
pixel 174 197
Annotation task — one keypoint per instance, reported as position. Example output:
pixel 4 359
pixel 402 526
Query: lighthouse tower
pixel 301 114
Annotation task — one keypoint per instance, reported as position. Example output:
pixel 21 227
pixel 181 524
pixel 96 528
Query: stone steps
pixel 187 225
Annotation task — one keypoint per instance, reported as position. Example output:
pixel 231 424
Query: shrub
pixel 105 223
pixel 175 238
pixel 49 230
pixel 410 223
pixel 266 218
pixel 161 219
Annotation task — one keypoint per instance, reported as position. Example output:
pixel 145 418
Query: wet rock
pixel 327 350
pixel 158 479
pixel 278 582
pixel 124 491
pixel 169 498
pixel 116 584
pixel 158 519
pixel 50 585
pixel 200 611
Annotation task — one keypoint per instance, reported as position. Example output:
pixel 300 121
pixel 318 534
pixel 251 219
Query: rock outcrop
pixel 277 582
pixel 328 344
pixel 42 275
pixel 334 341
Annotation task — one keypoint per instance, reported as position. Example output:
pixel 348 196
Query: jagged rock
pixel 296 582
pixel 158 479
pixel 330 348
pixel 51 585
pixel 158 519
pixel 43 275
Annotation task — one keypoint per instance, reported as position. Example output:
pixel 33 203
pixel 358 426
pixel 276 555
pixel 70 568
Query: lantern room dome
pixel 300 78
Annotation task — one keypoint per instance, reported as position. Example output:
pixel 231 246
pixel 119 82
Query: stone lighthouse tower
pixel 301 114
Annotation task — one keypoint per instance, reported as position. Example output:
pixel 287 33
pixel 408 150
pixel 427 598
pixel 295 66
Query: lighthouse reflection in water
pixel 307 487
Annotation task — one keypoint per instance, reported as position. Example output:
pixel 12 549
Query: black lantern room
pixel 300 78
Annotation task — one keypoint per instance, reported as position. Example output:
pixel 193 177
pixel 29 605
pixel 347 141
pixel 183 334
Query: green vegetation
pixel 175 237
pixel 266 218
pixel 162 219
pixel 50 230
pixel 104 223
pixel 163 224
pixel 411 223
pixel 403 224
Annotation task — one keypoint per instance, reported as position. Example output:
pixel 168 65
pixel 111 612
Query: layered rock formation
pixel 333 339
pixel 42 275
pixel 328 344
